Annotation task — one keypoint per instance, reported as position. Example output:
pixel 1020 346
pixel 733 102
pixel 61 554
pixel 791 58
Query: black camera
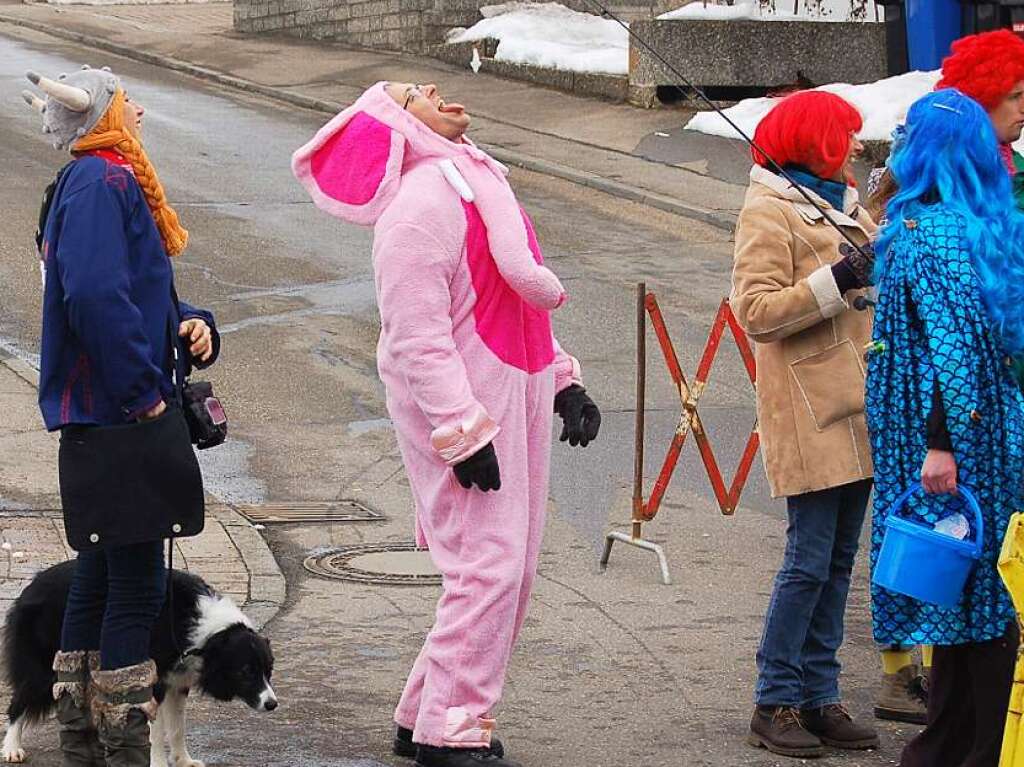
pixel 207 421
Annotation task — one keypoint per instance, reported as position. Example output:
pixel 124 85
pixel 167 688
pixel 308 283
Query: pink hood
pixel 353 166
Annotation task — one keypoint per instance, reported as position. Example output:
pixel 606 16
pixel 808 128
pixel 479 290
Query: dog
pixel 208 645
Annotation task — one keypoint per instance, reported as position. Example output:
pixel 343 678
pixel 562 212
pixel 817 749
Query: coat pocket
pixel 831 383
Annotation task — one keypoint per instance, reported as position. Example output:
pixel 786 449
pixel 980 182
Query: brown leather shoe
pixel 903 697
pixel 781 730
pixel 836 728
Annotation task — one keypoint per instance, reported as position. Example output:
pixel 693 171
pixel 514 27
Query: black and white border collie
pixel 223 657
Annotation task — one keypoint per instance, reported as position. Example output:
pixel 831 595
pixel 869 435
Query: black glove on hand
pixel 580 417
pixel 855 268
pixel 480 469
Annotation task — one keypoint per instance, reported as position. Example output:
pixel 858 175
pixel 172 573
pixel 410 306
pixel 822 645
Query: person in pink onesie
pixel 472 374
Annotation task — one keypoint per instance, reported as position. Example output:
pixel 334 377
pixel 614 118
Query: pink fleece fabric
pixel 526 344
pixel 342 180
pixel 467 357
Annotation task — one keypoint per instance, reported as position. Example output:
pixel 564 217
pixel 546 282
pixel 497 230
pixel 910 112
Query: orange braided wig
pixel 110 133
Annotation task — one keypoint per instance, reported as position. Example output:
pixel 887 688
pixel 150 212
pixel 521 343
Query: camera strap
pixel 46 204
pixel 172 327
pixel 173 353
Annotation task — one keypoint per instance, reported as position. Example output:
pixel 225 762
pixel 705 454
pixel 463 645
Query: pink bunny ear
pixel 352 167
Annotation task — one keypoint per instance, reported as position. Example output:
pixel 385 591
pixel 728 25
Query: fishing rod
pixel 707 100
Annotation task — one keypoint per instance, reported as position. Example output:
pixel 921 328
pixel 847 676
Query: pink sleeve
pixel 509 235
pixel 414 272
pixel 567 369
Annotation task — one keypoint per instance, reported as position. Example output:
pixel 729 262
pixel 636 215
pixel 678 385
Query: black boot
pixel 403 745
pixel 836 728
pixel 430 756
pixel 781 730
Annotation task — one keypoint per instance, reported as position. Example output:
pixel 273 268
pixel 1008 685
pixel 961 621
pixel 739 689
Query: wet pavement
pixel 612 669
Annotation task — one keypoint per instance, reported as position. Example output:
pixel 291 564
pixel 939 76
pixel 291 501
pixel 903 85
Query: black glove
pixel 580 417
pixel 856 267
pixel 480 469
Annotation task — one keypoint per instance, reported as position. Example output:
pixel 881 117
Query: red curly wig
pixel 985 66
pixel 809 128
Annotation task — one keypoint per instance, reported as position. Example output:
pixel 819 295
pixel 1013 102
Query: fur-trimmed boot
pixel 99 754
pixel 79 744
pixel 123 707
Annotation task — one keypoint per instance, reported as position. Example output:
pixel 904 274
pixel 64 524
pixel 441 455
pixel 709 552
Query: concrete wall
pixel 712 54
pixel 401 25
pixel 389 24
pixel 756 54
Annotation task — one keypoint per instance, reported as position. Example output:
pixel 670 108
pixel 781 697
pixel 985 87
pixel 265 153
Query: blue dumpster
pixel 932 26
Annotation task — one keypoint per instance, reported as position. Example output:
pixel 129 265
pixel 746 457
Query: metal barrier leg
pixel 640 543
pixel 636 539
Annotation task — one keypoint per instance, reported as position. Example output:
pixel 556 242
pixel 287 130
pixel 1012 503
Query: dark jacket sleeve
pixel 938 433
pixel 189 312
pixel 94 267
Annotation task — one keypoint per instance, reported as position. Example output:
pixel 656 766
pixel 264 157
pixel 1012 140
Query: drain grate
pixel 395 564
pixel 310 511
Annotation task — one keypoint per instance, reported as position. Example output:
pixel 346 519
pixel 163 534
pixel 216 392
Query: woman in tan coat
pixel 795 283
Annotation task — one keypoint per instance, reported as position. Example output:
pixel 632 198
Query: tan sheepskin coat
pixel 809 340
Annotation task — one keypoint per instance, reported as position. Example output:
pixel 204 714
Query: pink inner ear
pixel 517 333
pixel 350 166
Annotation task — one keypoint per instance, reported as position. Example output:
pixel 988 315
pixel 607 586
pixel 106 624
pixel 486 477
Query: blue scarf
pixel 834 192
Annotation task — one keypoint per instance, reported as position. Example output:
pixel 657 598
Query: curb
pixel 20 368
pixel 612 188
pixel 267 586
pixel 506 156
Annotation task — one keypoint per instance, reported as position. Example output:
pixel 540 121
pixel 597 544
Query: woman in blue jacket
pixel 944 408
pixel 115 339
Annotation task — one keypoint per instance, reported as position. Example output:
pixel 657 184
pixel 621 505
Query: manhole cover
pixel 309 511
pixel 397 564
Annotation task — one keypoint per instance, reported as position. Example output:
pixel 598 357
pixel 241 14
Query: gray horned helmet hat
pixel 74 102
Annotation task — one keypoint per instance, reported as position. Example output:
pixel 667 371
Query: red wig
pixel 809 128
pixel 985 66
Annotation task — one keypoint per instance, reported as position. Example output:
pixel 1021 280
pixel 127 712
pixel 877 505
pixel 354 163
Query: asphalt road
pixel 613 669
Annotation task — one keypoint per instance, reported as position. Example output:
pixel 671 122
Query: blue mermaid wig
pixel 951 157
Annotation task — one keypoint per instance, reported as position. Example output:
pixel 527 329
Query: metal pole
pixel 636 536
pixel 641 392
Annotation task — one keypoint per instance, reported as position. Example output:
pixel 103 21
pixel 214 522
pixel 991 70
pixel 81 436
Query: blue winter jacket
pixel 108 311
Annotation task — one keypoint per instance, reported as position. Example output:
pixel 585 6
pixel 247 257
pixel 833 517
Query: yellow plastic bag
pixel 1011 568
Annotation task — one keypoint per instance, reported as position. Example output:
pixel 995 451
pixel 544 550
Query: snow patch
pixel 883 104
pixel 751 10
pixel 551 35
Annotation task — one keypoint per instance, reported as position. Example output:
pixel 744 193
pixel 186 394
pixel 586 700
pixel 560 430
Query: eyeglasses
pixel 413 92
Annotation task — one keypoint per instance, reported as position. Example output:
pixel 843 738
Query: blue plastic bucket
pixel 923 564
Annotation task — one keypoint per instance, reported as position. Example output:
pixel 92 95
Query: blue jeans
pixel 116 595
pixel 803 630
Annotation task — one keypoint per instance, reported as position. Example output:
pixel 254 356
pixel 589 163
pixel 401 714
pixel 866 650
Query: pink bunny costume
pixel 467 356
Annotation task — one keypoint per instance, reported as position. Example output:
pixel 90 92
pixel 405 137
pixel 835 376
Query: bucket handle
pixel 972 503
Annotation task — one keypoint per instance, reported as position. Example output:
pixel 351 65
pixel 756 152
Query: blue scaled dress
pixel 933 324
